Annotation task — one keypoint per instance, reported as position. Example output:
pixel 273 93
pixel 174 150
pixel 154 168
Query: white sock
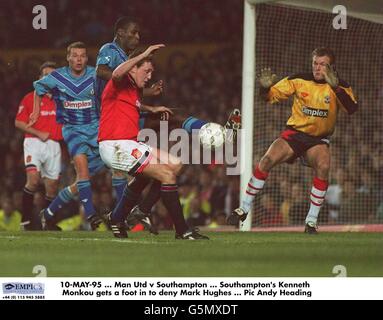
pixel 253 187
pixel 317 199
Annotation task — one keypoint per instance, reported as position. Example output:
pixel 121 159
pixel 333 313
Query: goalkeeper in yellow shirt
pixel 318 96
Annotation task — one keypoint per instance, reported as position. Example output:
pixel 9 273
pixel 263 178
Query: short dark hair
pixel 76 45
pixel 123 23
pixel 323 51
pixel 47 64
pixel 137 52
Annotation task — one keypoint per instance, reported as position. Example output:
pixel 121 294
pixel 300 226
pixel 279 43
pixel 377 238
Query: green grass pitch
pixel 227 254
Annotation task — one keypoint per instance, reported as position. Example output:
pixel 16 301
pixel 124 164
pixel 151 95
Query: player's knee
pixel 32 183
pixel 167 175
pixel 176 168
pixel 323 168
pixel 51 190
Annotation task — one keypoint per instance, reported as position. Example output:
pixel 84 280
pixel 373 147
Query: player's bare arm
pixel 164 111
pixel 104 72
pixel 42 135
pixel 331 77
pixel 155 90
pixel 36 110
pixel 123 69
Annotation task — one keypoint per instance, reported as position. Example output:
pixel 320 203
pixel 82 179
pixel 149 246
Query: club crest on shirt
pixel 136 153
pixel 20 109
pixel 28 159
pixel 327 99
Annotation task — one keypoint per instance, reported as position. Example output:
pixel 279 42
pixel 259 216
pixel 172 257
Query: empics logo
pixel 23 288
pixel 315 112
pixel 9 286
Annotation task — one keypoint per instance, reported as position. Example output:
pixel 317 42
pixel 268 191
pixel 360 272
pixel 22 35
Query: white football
pixel 211 135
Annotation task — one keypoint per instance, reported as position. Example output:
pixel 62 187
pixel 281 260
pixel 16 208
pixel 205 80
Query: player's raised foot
pixel 48 224
pixel 311 228
pixel 192 234
pixel 118 228
pixel 143 218
pixel 94 221
pixel 232 125
pixel 235 216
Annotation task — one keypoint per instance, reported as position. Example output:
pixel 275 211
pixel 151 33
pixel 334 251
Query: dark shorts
pixel 300 142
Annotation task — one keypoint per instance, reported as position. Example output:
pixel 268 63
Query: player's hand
pixel 33 117
pixel 43 136
pixel 331 76
pixel 152 48
pixel 157 88
pixel 163 111
pixel 267 78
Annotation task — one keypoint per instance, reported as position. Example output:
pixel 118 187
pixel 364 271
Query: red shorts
pixel 300 142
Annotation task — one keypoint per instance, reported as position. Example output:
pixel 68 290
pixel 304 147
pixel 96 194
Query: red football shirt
pixel 47 119
pixel 120 111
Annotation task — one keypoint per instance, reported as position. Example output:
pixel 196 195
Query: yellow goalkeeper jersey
pixel 315 105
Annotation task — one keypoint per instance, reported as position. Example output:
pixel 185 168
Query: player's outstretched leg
pixel 164 168
pixel 48 215
pixel 129 199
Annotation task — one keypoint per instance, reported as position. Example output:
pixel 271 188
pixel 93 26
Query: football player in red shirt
pixel 119 149
pixel 42 151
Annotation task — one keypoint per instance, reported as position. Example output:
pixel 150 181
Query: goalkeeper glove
pixel 331 76
pixel 267 79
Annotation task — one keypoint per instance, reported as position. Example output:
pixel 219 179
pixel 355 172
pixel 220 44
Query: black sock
pixel 132 192
pixel 27 205
pixel 151 198
pixel 171 200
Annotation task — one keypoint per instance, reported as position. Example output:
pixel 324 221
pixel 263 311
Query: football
pixel 212 135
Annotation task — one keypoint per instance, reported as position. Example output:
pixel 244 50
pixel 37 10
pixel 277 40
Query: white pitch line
pixel 128 241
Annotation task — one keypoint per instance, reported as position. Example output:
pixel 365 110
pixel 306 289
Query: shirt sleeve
pixel 282 90
pixel 106 57
pixel 25 108
pixel 44 85
pixel 346 99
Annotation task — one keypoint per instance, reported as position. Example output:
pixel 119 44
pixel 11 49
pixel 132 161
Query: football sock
pixel 170 198
pixel 318 192
pixel 130 197
pixel 64 196
pixel 192 123
pixel 255 185
pixel 48 201
pixel 151 198
pixel 85 195
pixel 27 205
pixel 118 186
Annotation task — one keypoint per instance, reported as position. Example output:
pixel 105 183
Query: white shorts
pixel 44 157
pixel 125 155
